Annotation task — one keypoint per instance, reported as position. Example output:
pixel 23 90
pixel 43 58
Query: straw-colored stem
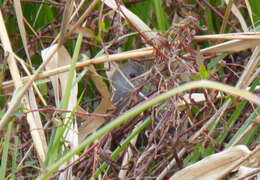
pixel 106 58
pixel 21 93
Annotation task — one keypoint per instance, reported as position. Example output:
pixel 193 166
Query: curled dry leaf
pixel 91 124
pixel 214 166
pixel 62 58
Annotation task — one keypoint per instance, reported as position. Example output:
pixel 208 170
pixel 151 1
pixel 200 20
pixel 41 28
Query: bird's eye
pixel 132 75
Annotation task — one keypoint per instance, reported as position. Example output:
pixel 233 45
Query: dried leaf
pixel 91 124
pixel 214 166
pixel 86 32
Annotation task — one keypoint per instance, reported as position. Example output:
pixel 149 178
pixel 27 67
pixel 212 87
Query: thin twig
pixel 67 111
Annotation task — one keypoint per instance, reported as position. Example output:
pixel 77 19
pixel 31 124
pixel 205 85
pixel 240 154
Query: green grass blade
pixel 14 158
pixel 237 112
pixel 161 17
pixel 255 5
pixel 249 138
pixel 71 73
pixel 124 144
pixel 56 143
pixel 232 120
pixel 5 150
pixel 244 126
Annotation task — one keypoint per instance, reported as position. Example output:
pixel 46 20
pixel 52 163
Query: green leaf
pixel 249 121
pixel 124 144
pixel 255 6
pixel 14 157
pixel 3 167
pixel 1 114
pixel 161 16
pixel 204 74
pixel 214 62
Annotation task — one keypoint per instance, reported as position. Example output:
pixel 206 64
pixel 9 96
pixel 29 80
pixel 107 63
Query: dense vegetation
pixel 129 89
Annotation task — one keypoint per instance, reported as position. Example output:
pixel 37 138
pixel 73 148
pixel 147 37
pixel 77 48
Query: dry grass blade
pixel 19 15
pixel 54 63
pixel 229 36
pixel 252 158
pixel 239 16
pixel 250 68
pixel 77 9
pixel 21 61
pixel 226 16
pixel 33 119
pixel 249 9
pixel 84 15
pixel 248 173
pixel 65 21
pixel 135 20
pixel 217 165
pixel 23 90
pixel 232 46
